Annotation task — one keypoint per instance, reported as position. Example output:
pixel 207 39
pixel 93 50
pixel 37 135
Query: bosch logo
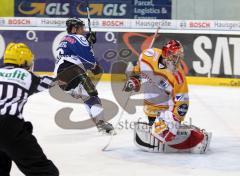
pixel 112 23
pixel 199 25
pixel 19 21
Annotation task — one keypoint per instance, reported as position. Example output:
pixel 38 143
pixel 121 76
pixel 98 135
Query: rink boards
pixel 211 57
pixel 193 80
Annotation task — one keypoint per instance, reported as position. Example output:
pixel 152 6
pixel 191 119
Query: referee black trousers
pixel 19 145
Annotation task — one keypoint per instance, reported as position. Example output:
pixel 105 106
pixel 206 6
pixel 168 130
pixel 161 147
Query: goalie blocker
pixel 189 139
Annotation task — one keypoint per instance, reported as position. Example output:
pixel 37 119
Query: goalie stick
pixel 126 103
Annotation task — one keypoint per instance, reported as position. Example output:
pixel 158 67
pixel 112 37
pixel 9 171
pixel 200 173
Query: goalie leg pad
pixel 189 139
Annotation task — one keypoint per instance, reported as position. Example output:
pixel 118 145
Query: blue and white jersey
pixel 76 49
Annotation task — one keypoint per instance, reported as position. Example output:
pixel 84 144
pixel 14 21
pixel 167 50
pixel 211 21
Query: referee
pixel 17 143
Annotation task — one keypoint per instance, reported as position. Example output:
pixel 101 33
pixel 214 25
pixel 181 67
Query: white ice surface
pixel 78 152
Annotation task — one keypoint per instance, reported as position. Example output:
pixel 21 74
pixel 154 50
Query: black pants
pixel 19 145
pixel 73 75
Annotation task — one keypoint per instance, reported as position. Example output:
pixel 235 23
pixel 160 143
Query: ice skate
pixel 105 127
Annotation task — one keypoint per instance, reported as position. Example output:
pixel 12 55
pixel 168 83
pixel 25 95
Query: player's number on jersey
pixel 56 42
pixel 60 52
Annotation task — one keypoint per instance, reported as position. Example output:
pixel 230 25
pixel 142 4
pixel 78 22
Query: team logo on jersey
pixel 182 109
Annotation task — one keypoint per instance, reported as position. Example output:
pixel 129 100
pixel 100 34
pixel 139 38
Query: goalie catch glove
pixel 165 127
pixel 133 83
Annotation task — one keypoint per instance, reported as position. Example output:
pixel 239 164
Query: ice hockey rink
pixel 78 152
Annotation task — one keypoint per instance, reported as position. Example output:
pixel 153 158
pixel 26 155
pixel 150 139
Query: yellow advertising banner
pixel 226 82
pixel 7 8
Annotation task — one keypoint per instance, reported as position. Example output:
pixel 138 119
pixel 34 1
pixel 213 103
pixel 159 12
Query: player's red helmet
pixel 172 52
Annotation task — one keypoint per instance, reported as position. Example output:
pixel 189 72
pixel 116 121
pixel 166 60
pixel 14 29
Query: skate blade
pixel 110 133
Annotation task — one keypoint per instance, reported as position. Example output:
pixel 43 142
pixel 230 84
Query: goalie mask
pixel 172 53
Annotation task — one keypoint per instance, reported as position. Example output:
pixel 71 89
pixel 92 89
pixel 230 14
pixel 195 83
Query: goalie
pixel 166 102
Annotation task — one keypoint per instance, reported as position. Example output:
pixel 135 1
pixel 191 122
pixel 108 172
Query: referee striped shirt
pixel 16 85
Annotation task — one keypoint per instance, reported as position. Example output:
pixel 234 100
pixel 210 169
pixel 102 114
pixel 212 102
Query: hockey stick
pixel 89 18
pixel 126 103
pixel 154 38
pixel 120 117
pixel 89 25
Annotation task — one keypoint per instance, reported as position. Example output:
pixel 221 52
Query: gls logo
pixel 222 59
pixel 45 8
pixel 104 9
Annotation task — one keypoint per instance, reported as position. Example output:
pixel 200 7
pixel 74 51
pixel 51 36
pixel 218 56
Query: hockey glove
pixel 91 37
pixel 132 83
pixel 165 127
pixel 97 69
